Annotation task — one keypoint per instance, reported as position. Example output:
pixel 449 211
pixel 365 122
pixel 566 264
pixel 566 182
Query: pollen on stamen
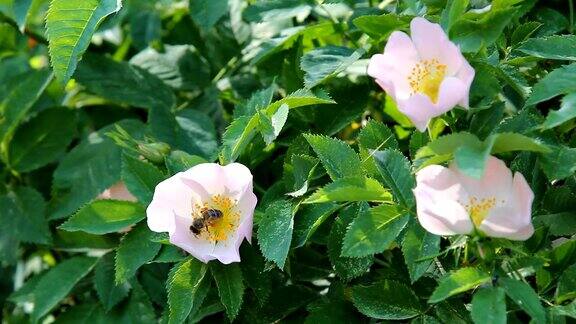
pixel 219 230
pixel 478 209
pixel 426 77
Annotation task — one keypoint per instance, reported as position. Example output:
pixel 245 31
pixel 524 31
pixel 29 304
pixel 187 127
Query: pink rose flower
pixel 219 198
pixel 426 74
pixel 117 192
pixel 449 202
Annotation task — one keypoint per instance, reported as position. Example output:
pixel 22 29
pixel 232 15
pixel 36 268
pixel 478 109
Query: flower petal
pixel 452 91
pixel 420 109
pixel 428 38
pixel 210 175
pixel 438 194
pixel 228 251
pixel 506 222
pixel 246 206
pixel 238 178
pixel 182 237
pixel 118 192
pixel 441 217
pixel 496 182
pixel 524 196
pixel 393 67
pixel 171 196
pixel 466 75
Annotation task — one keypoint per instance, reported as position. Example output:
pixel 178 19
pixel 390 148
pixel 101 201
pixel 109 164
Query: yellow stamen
pixel 220 229
pixel 478 209
pixel 426 77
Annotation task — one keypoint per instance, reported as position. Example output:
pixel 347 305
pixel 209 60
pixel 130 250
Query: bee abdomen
pixel 214 213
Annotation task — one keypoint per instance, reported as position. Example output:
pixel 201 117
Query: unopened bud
pixel 154 152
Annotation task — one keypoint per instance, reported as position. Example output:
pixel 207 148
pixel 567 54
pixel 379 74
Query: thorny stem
pixel 439 266
pixel 229 67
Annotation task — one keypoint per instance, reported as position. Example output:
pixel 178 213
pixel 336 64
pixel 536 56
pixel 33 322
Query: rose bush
pixel 287 161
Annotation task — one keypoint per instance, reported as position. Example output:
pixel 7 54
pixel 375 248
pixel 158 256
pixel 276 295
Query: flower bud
pixel 154 152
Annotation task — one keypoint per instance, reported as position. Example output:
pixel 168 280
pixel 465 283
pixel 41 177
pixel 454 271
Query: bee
pixel 206 217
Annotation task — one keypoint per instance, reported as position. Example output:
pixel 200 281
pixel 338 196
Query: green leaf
pixel 321 63
pixel 447 144
pixel 556 47
pixel 525 297
pixel 179 66
pixel 560 224
pixel 560 81
pixel 523 31
pixel 508 142
pixel 387 300
pixel 453 11
pixel 566 288
pixel 351 189
pixel 257 101
pixel 135 250
pixel 90 168
pixel 489 306
pixel 418 246
pixel 395 170
pixel 242 130
pixel 70 25
pixel 567 310
pixel 270 127
pixel 23 216
pixel 21 8
pixel 105 216
pixel 457 282
pixel 179 161
pixel 57 283
pixel 191 131
pixel 140 309
pixel 206 13
pixel 237 137
pixel 308 219
pixel 289 36
pixel 375 136
pixel 170 254
pixel 108 292
pixel 15 106
pixel 380 27
pixel 566 112
pixel 560 163
pixel 337 157
pixel 275 232
pixel 334 311
pixel 123 83
pixel 145 27
pixel 374 230
pixel 471 154
pixel 476 30
pixel 140 178
pixel 303 167
pixel 230 286
pixel 42 140
pixel 347 268
pixel 254 272
pixel 83 240
pixel 183 283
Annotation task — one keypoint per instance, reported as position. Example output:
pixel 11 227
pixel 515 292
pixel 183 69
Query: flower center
pixel 220 218
pixel 426 77
pixel 478 209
